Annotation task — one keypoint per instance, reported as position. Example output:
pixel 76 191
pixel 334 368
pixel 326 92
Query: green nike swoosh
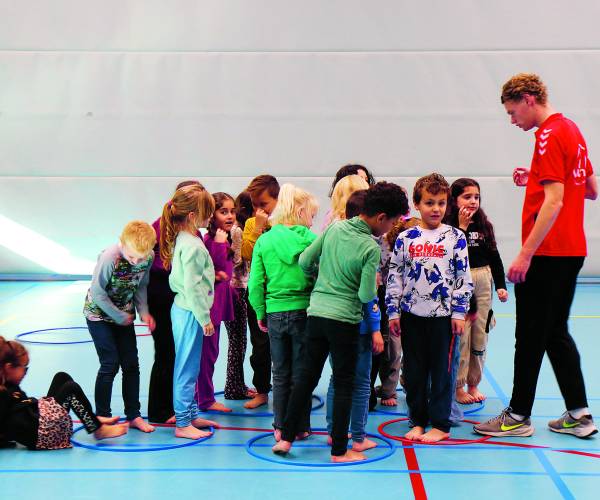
pixel 505 428
pixel 569 426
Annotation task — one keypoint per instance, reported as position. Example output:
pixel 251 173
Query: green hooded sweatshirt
pixel 276 281
pixel 347 258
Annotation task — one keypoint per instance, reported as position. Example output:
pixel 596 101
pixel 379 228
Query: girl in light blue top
pixel 192 279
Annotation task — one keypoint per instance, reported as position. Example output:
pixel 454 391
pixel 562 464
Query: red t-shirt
pixel 560 156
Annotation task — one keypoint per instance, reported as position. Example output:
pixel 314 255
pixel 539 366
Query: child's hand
pixel 129 320
pixel 395 327
pixel 458 326
pixel 377 342
pixel 520 176
pixel 263 325
pixel 464 218
pixel 220 236
pixel 209 329
pixel 221 276
pixel 502 294
pixel 379 280
pixel 149 320
pixel 261 220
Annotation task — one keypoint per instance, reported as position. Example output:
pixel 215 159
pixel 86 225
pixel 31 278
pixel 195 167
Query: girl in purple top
pixel 218 243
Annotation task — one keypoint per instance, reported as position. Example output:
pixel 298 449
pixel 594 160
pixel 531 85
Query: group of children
pixel 303 297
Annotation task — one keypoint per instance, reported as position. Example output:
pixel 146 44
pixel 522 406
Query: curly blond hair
pixel 342 191
pixel 524 83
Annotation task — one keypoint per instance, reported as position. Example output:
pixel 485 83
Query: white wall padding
pixel 105 105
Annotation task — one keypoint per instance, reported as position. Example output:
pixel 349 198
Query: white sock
pixel 577 413
pixel 517 417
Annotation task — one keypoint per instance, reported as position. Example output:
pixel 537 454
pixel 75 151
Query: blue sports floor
pixel 227 465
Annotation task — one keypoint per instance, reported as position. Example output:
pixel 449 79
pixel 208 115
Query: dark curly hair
pixel 351 169
pixel 479 218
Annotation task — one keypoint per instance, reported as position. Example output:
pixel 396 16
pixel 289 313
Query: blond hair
pixel 189 199
pixel 11 352
pixel 524 83
pixel 342 191
pixel 290 203
pixel 139 236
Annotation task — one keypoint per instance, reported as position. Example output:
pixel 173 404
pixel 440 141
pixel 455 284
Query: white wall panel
pixel 290 25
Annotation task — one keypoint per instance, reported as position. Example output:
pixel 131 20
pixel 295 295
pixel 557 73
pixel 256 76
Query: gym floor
pixel 237 462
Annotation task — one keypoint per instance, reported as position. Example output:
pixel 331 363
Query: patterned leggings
pixel 235 387
pixel 68 393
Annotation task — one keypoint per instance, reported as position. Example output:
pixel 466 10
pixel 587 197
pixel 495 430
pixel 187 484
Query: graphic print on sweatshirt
pixel 429 274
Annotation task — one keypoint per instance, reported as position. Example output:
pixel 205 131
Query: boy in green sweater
pixel 347 258
pixel 279 292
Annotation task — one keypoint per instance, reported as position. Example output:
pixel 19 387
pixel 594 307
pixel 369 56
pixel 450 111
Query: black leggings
pixel 70 396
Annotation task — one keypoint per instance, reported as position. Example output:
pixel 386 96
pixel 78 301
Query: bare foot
pixel 256 401
pixel 251 392
pixel 200 423
pixel 282 447
pixel 349 456
pixel 389 401
pixel 108 420
pixel 277 435
pixel 190 432
pixel 106 431
pixel 463 397
pixel 216 406
pixel 366 444
pixel 434 436
pixel 301 436
pixel 474 392
pixel 140 424
pixel 171 420
pixel 415 434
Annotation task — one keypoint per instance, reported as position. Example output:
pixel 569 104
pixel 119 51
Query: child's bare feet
pixel 106 431
pixel 366 444
pixel 251 392
pixel 301 436
pixel 256 401
pixel 389 401
pixel 282 447
pixel 415 434
pixel 476 395
pixel 171 420
pixel 277 435
pixel 108 420
pixel 200 423
pixel 216 406
pixel 190 432
pixel 434 436
pixel 349 456
pixel 140 424
pixel 463 397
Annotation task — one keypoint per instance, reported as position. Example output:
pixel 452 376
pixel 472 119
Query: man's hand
pixel 518 269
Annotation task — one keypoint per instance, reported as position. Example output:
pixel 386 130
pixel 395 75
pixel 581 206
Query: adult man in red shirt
pixel 545 270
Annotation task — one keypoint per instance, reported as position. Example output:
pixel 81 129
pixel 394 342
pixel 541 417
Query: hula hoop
pixel 117 449
pixel 476 409
pixel 251 413
pixel 20 336
pixel 390 451
pixel 447 442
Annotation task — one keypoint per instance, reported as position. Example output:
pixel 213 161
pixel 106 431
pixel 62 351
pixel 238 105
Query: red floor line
pixel 416 480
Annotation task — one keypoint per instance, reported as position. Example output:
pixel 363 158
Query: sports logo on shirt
pixel 579 173
pixel 543 142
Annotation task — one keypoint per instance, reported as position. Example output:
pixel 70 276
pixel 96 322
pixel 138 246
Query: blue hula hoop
pixel 116 449
pixel 390 451
pixel 251 413
pixel 476 409
pixel 20 336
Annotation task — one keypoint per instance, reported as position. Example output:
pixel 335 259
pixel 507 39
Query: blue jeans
pixel 287 334
pixel 116 347
pixel 360 393
pixel 188 336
